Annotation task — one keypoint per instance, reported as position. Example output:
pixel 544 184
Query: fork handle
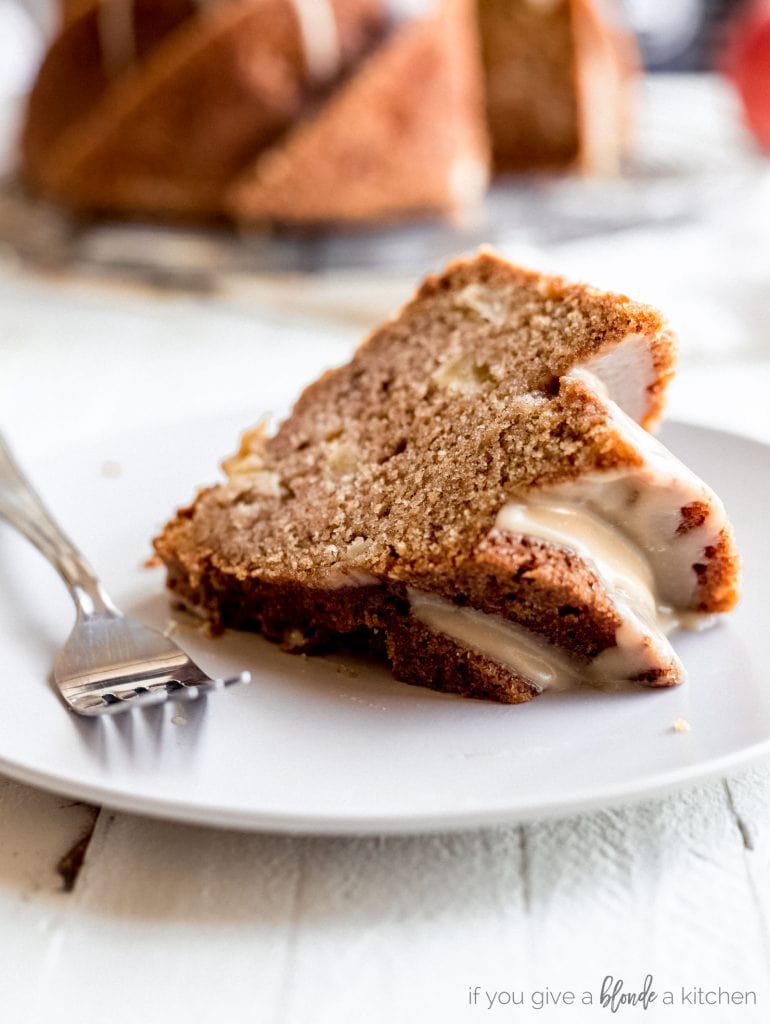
pixel 21 506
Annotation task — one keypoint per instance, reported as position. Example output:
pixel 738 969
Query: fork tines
pixel 106 702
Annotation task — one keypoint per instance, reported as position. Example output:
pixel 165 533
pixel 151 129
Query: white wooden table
pixel 105 917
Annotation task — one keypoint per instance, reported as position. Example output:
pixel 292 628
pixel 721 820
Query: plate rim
pixel 206 815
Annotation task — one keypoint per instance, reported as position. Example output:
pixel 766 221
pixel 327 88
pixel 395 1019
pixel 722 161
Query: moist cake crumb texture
pixel 391 470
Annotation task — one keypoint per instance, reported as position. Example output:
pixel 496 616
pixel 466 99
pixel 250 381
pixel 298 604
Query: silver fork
pixel 110 662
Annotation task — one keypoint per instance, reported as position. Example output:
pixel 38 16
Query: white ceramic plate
pixel 337 745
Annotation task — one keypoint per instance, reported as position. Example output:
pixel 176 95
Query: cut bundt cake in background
pixel 153 106
pixel 404 135
pixel 558 79
pixel 474 496
pixel 318 110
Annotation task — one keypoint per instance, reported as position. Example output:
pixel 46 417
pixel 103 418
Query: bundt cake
pixel 318 110
pixel 474 496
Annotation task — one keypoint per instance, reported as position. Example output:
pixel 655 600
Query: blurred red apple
pixel 747 62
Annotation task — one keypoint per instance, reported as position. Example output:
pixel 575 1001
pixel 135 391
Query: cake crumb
pixel 680 725
pixel 112 470
pixel 346 670
pixel 153 562
pixel 211 630
pixel 293 640
pixel 171 628
pixel 178 717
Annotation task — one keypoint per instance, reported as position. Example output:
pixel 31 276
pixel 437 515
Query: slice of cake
pixel 154 106
pixel 473 495
pixel 558 75
pixel 404 135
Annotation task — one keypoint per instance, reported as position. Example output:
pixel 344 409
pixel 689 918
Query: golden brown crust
pixel 664 352
pixel 719 576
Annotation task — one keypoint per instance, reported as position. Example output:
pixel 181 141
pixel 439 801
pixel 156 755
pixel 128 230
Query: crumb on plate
pixel 680 725
pixel 346 670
